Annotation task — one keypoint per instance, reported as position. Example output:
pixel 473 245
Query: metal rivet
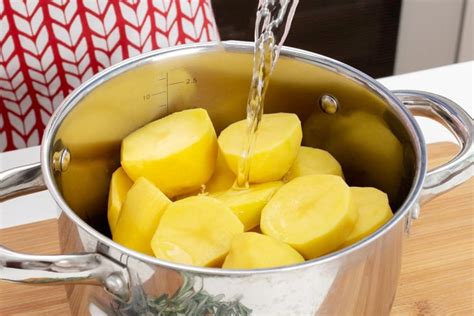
pixel 114 283
pixel 61 160
pixel 329 104
pixel 117 286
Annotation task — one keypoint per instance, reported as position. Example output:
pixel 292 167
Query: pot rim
pixel 415 134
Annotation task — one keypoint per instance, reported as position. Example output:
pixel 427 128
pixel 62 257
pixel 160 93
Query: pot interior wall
pixel 365 135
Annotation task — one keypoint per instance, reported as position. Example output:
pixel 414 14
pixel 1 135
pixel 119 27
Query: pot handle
pixel 86 268
pixel 21 181
pixel 459 123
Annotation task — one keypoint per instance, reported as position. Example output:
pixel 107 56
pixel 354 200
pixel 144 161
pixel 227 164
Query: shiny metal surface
pixel 20 181
pixel 88 268
pixel 315 290
pixel 454 118
pixel 61 160
pixel 63 269
pixel 329 104
pixel 375 138
pixel 217 78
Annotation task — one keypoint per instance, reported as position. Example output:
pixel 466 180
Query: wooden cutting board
pixel 437 275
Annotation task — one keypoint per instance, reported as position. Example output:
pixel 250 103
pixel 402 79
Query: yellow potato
pixel 313 161
pixel 120 183
pixel 222 179
pixel 278 140
pixel 177 153
pixel 257 251
pixel 197 231
pixel 314 214
pixel 247 204
pixel 141 212
pixel 374 211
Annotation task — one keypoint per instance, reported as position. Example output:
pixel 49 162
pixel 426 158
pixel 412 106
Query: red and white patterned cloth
pixel 47 48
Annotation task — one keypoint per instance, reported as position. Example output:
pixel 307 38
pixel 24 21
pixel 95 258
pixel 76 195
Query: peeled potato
pixel 314 214
pixel 278 140
pixel 257 251
pixel 313 161
pixel 247 204
pixel 222 179
pixel 177 153
pixel 120 183
pixel 374 211
pixel 197 231
pixel 141 212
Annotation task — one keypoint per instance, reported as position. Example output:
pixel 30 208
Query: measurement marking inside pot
pixel 157 93
pixel 162 105
pixel 173 83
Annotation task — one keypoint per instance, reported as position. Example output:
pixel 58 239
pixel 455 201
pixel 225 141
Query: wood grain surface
pixel 437 275
pixel 18 299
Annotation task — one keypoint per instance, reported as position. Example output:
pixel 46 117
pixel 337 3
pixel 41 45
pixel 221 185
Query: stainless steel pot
pixel 368 128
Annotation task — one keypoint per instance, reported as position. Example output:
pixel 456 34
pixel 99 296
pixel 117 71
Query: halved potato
pixel 247 204
pixel 374 211
pixel 222 179
pixel 314 214
pixel 120 183
pixel 177 153
pixel 278 140
pixel 313 161
pixel 141 212
pixel 257 251
pixel 197 230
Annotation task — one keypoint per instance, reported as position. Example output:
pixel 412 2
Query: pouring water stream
pixel 272 25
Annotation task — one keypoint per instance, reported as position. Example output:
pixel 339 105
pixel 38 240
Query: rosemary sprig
pixel 188 301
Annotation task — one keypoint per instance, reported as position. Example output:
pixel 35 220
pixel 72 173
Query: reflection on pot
pixel 84 185
pixel 363 143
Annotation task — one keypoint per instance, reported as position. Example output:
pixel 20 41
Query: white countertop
pixel 454 82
